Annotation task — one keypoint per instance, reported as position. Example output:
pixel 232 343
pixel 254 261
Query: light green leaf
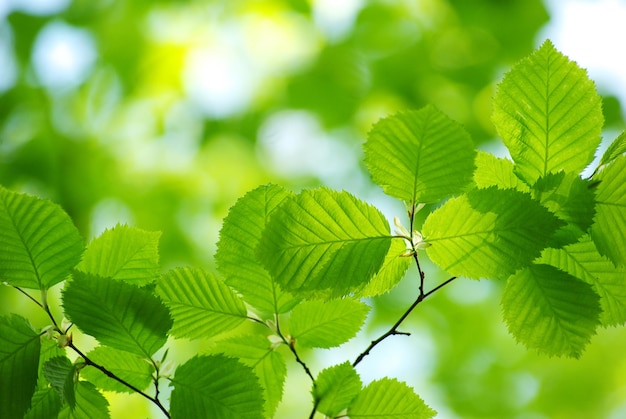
pixel 335 388
pixel 129 367
pixel 390 274
pixel 60 372
pixel 19 362
pixel 583 261
pixel 389 398
pixel 323 240
pixel 549 115
pixel 420 156
pixel 116 313
pixel 257 352
pixel 39 244
pixel 201 304
pixel 216 387
pixel 236 258
pixel 609 230
pixel 46 404
pixel 550 310
pixel 616 149
pixel 90 404
pixel 494 171
pixel 324 324
pixel 125 253
pixel 488 233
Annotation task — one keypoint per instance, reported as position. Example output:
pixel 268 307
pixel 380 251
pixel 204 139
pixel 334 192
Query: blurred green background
pixel 161 113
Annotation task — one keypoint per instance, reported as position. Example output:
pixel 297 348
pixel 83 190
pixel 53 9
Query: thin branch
pixel 291 344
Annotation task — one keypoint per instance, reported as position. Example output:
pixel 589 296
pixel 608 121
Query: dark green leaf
pixel 90 404
pixel 389 398
pixel 46 404
pixel 60 373
pixel 335 388
pixel 127 366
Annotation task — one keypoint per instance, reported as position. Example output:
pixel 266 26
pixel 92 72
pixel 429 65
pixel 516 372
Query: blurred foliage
pixel 180 107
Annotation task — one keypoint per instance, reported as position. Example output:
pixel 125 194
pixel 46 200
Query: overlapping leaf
pixel 19 363
pixel 217 387
pixel 335 388
pixel 550 310
pixel 549 115
pixel 420 156
pixel 583 261
pixel 201 304
pixel 60 373
pixel 613 151
pixel 236 258
pixel 393 270
pixel 90 404
pixel 389 398
pixel 125 253
pixel 488 233
pixel 609 230
pixel 116 313
pixel 495 171
pixel 129 367
pixel 324 324
pixel 39 244
pixel 323 240
pixel 46 403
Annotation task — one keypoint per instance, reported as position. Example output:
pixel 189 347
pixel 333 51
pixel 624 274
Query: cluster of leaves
pixel 294 268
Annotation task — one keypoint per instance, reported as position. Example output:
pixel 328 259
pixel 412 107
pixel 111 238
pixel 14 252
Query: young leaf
pixel 393 270
pixel 549 115
pixel 324 324
pixel 236 259
pixel 46 403
pixel 217 387
pixel 616 149
pixel 39 244
pixel 389 398
pixel 19 362
pixel 125 365
pixel 550 310
pixel 257 352
pixel 335 388
pixel 90 404
pixel 583 261
pixel 201 304
pixel 323 240
pixel 125 253
pixel 488 233
pixel 60 373
pixel 49 349
pixel 420 156
pixel 494 171
pixel 116 313
pixel 609 230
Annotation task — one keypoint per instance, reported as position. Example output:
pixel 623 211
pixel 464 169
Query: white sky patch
pixel 336 18
pixel 37 7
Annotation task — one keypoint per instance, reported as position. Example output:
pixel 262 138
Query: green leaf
pixel 583 261
pixel 324 324
pixel 19 363
pixel 39 244
pixel 389 398
pixel 550 310
pixel 335 388
pixel 129 367
pixel 616 149
pixel 46 404
pixel 549 115
pixel 236 259
pixel 60 372
pixel 201 304
pixel 494 171
pixel 125 253
pixel 488 233
pixel 405 155
pixel 257 352
pixel 323 240
pixel 390 274
pixel 217 387
pixel 116 313
pixel 609 230
pixel 90 404
pixel 49 349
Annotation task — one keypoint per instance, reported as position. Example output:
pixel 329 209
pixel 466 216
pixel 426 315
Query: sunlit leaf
pixel 129 367
pixel 19 362
pixel 116 313
pixel 550 310
pixel 124 253
pixel 420 156
pixel 46 404
pixel 488 233
pixel 217 387
pixel 90 404
pixel 324 324
pixel 389 398
pixel 393 270
pixel 495 171
pixel 548 114
pixel 201 304
pixel 335 388
pixel 39 244
pixel 236 258
pixel 324 240
pixel 616 149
